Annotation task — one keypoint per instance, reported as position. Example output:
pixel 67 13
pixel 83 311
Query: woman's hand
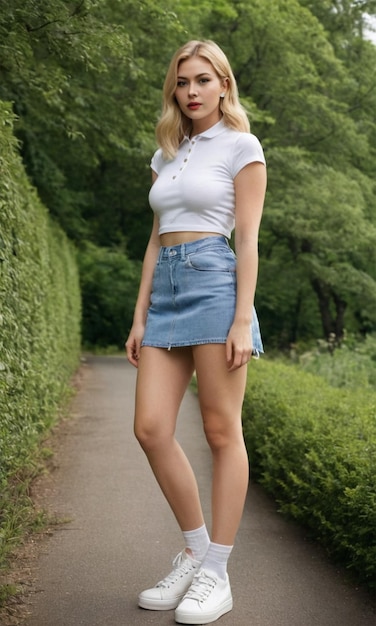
pixel 238 346
pixel 133 343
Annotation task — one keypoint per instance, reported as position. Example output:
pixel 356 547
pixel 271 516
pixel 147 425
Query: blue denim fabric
pixel 194 295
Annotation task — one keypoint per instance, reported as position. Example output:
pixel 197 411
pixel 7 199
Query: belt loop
pixel 183 251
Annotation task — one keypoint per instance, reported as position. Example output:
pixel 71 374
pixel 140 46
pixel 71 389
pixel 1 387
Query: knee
pixel 149 435
pixel 216 436
pixel 222 431
pixel 144 435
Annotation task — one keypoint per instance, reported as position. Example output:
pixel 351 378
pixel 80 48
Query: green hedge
pixel 109 286
pixel 39 327
pixel 314 448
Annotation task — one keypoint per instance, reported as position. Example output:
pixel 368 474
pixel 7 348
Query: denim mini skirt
pixel 193 296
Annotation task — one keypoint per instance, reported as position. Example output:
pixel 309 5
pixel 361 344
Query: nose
pixel 192 89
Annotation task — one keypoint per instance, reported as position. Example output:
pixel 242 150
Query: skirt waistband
pixel 181 250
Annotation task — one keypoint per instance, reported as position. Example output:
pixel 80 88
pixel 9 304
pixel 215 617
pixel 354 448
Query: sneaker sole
pixel 204 618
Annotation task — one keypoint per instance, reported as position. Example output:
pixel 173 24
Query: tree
pixel 321 217
pixel 313 113
pixel 344 20
pixel 85 77
pixel 78 75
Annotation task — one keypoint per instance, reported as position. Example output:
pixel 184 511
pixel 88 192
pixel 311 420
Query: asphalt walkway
pixel 121 536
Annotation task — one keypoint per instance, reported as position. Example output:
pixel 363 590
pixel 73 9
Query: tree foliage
pixel 109 283
pixel 312 108
pixel 85 80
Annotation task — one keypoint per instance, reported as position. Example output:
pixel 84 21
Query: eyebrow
pixel 198 75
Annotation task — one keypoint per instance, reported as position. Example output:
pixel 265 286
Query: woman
pixel 195 312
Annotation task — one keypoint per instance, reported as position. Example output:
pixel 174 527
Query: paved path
pixel 122 535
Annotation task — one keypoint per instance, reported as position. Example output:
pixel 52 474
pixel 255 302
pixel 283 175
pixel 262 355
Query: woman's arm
pixel 250 187
pixel 133 343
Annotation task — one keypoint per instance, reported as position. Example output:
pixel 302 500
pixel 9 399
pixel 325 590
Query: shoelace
pixel 181 567
pixel 201 587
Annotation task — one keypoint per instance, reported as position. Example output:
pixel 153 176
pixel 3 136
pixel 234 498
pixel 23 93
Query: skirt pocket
pixel 221 260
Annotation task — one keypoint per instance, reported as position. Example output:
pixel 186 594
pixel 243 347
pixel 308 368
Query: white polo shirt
pixel 195 191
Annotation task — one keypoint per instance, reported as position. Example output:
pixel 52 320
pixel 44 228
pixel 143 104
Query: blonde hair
pixel 173 124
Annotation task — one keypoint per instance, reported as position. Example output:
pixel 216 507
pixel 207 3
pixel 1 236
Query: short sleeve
pixel 248 149
pixel 157 161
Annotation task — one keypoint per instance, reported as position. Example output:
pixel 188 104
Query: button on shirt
pixel 195 191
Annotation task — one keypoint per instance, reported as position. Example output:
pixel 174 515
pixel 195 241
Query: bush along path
pixel 313 447
pixel 121 535
pixel 40 312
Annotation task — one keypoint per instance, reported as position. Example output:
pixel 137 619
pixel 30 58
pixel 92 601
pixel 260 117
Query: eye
pixel 204 80
pixel 181 83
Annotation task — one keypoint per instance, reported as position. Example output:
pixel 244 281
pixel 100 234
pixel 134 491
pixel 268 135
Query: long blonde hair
pixel 173 124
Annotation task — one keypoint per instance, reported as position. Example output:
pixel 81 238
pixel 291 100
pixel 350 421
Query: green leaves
pixel 109 286
pixel 320 214
pixel 313 448
pixel 85 78
pixel 39 328
pixel 304 73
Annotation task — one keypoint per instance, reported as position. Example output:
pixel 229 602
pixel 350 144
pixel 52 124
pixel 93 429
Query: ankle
pixel 216 559
pixel 197 542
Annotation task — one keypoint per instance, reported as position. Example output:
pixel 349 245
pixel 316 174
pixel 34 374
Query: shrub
pixel 314 448
pixel 350 365
pixel 39 329
pixel 109 286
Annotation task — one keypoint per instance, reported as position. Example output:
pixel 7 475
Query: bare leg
pixel 163 377
pixel 221 396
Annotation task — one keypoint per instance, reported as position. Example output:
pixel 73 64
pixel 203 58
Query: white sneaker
pixel 207 599
pixel 168 592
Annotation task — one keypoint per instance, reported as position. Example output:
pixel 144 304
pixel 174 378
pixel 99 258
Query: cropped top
pixel 195 191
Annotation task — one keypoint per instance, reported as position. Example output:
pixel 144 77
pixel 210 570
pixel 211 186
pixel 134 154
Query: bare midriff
pixel 174 239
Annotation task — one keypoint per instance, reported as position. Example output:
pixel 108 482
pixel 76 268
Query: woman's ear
pixel 225 83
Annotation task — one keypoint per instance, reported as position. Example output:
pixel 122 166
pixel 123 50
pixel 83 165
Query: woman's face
pixel 197 93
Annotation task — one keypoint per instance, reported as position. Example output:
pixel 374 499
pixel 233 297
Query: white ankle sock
pixel 197 541
pixel 216 559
